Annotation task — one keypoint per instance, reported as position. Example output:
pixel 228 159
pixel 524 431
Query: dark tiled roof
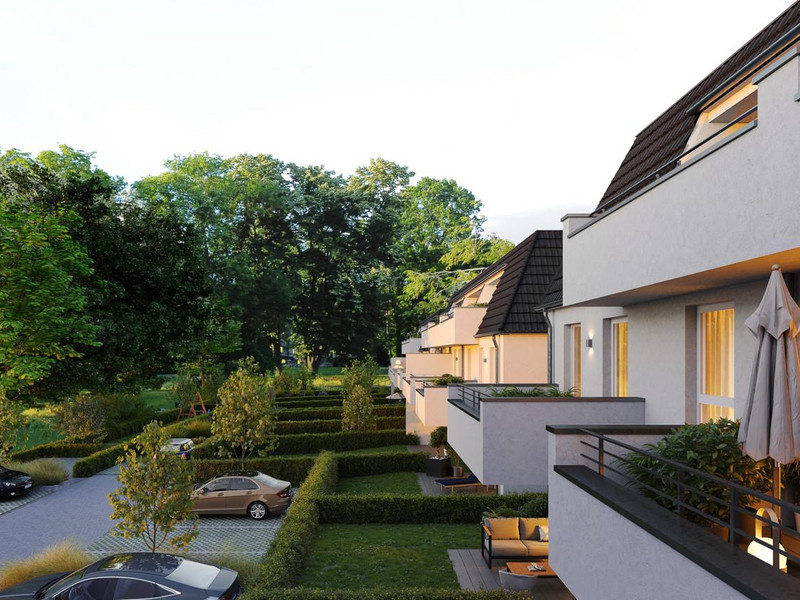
pixel 553 297
pixel 527 271
pixel 665 138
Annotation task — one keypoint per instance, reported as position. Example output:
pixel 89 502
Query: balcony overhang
pixel 741 272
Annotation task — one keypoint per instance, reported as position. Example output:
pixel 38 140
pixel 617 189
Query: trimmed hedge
pixel 335 412
pixel 322 401
pixel 289 468
pixel 388 508
pixel 295 539
pixel 57 448
pixel 134 426
pixel 377 463
pixel 379 594
pixel 313 443
pixel 333 425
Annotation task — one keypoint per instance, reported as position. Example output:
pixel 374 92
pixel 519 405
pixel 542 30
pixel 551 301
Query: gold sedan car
pixel 242 493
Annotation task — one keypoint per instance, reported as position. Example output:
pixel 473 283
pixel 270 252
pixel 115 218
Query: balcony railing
pixel 731 499
pixel 469 396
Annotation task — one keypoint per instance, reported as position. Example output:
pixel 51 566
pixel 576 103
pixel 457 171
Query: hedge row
pixel 107 458
pixel 335 412
pixel 283 564
pixel 377 463
pixel 382 594
pixel 388 508
pixel 57 448
pixel 313 443
pixel 333 425
pixel 323 401
pixel 134 426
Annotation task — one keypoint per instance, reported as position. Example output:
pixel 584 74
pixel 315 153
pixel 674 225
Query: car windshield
pixel 66 579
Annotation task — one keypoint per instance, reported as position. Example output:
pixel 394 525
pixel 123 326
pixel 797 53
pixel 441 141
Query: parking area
pixel 217 535
pixel 33 495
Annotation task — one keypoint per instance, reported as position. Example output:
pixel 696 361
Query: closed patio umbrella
pixel 770 424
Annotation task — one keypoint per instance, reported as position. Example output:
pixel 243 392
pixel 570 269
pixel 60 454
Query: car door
pixel 99 588
pixel 129 588
pixel 241 494
pixel 212 496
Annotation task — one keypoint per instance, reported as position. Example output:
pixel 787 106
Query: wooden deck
pixel 429 485
pixel 473 574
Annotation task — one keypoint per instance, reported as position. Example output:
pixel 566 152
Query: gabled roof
pixel 527 271
pixel 664 140
pixel 554 295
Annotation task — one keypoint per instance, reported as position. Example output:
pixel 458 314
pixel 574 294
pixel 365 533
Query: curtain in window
pixel 717 353
pixel 620 359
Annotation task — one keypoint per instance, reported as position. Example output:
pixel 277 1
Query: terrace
pixel 693 524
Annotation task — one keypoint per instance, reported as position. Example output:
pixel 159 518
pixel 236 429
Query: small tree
pixel 360 373
pixel 82 418
pixel 305 377
pixel 245 415
pixel 11 422
pixel 154 496
pixel 357 412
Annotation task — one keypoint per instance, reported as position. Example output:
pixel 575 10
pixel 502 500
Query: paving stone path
pixel 34 494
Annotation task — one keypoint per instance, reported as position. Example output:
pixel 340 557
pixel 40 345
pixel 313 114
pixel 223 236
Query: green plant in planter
pixel 711 447
pixel 447 379
pixel 439 439
pixel 545 391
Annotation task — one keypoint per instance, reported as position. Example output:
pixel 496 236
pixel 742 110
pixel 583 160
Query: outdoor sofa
pixel 514 538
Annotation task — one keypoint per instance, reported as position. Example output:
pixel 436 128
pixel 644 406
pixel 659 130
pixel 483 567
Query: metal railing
pixel 684 485
pixel 470 395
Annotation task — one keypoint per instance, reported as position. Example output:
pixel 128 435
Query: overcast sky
pixel 530 104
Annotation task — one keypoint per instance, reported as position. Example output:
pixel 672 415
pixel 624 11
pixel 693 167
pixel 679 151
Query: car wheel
pixel 257 510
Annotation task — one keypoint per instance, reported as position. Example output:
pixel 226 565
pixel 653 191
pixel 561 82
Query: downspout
pixel 496 359
pixel 549 347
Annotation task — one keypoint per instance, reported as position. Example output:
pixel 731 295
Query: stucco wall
pixel 429 364
pixel 432 406
pixel 733 206
pixel 464 435
pixel 523 358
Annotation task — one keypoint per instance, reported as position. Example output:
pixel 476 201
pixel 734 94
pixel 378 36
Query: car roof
pixel 171 568
pixel 239 474
pixel 179 440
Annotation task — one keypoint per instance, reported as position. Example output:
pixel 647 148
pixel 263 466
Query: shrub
pixel 44 471
pixel 386 508
pixel 357 410
pixel 360 373
pixel 99 461
pixel 535 507
pixel 711 447
pixel 377 463
pixel 134 425
pixel 295 540
pixel 65 556
pixel 545 391
pixel 285 383
pixel 82 418
pixel 58 448
pixel 288 468
pixel 325 401
pixel 305 377
pixel 333 425
pixel 11 421
pixel 335 412
pixel 447 379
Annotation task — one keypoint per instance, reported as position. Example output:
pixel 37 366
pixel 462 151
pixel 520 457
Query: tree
pixel 244 418
pixel 357 382
pixel 11 422
pixel 82 418
pixel 153 501
pixel 42 308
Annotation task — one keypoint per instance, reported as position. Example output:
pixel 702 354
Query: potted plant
pixel 710 447
pixel 438 465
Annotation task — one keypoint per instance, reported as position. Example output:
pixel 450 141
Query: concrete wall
pixel 432 407
pixel 457 330
pixel 429 364
pixel 601 555
pixel 735 205
pixel 512 439
pixel 411 345
pixel 523 357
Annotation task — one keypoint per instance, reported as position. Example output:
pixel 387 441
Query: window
pixel 574 369
pixel 619 357
pixel 715 357
pixel 219 485
pixel 240 483
pixel 138 589
pixel 95 589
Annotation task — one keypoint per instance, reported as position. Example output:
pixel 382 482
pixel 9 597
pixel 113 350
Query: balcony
pixel 504 441
pixel 607 539
pixel 694 227
pixel 456 328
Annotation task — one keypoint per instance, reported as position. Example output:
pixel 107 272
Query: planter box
pixel 437 467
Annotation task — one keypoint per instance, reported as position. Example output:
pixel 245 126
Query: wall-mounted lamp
pixel 588 342
pixel 485 360
pixel 456 359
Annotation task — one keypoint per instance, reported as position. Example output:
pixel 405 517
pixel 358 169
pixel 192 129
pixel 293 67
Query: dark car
pixel 134 576
pixel 14 483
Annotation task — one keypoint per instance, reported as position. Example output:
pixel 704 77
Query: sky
pixel 531 105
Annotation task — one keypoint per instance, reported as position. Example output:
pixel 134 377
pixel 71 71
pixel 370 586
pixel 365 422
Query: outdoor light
pixel 588 342
pixel 763 552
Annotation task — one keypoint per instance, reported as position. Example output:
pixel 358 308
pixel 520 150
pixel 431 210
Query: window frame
pixel 721 401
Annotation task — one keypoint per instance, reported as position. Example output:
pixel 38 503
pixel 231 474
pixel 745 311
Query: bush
pixel 83 418
pixel 406 594
pixel 312 443
pixel 386 508
pixel 545 391
pixel 99 461
pixel 324 401
pixel 44 471
pixel 295 540
pixel 65 556
pixel 447 379
pixel 711 447
pixel 357 410
pixel 134 426
pixel 375 464
pixel 333 425
pixel 288 468
pixel 58 448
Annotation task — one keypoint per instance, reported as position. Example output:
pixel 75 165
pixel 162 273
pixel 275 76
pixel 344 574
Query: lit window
pixel 715 376
pixel 619 357
pixel 575 359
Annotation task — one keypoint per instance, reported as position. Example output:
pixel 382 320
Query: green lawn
pixel 40 430
pixel 156 399
pixel 386 556
pixel 404 483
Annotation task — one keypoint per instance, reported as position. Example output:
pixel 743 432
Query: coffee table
pixel 521 568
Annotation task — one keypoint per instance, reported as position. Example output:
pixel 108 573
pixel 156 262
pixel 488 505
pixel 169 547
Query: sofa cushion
pixel 543 533
pixel 527 528
pixel 509 548
pixel 504 529
pixel 534 548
